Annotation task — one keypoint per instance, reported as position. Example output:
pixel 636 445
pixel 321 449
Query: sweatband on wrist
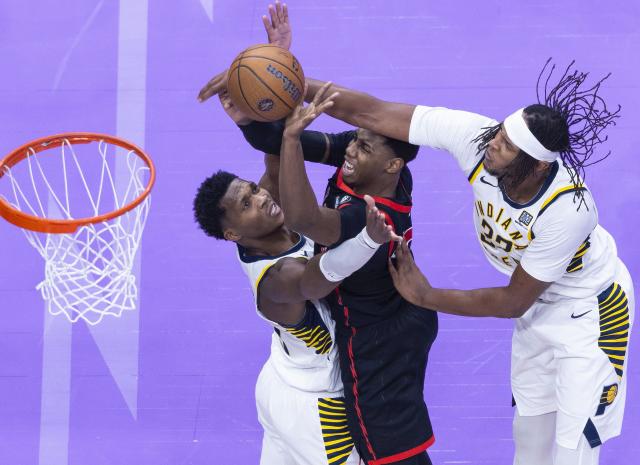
pixel 339 263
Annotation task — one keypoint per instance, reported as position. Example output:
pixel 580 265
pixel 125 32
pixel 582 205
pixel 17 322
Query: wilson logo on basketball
pixel 287 84
pixel 265 104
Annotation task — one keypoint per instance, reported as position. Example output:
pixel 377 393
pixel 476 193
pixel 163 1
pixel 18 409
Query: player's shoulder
pixel 566 213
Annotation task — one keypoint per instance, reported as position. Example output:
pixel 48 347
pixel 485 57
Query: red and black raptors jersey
pixel 383 340
pixel 370 291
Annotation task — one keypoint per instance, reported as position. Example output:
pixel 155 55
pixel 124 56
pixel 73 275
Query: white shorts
pixel 570 357
pixel 301 428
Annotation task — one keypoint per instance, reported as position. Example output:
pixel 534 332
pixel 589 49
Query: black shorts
pixel 383 369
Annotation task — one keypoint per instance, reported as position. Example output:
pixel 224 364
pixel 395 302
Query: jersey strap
pixel 381 200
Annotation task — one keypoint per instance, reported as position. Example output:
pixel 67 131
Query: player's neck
pixel 383 187
pixel 527 189
pixel 275 243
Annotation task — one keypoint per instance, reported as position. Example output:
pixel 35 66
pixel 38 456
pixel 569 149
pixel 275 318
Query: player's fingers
pixel 405 248
pixel 324 106
pixel 399 251
pixel 279 11
pixel 393 271
pixel 321 93
pixel 369 201
pixel 285 13
pixel 371 204
pixel 392 234
pixel 308 118
pixel 267 24
pixel 329 101
pixel 331 97
pixel 206 90
pixel 273 15
pixel 225 99
pixel 212 87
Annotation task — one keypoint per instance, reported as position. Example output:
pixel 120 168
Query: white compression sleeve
pixel 336 264
pixel 535 443
pixel 534 439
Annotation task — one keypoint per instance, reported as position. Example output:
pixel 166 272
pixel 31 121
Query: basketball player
pixel 537 222
pixel 299 392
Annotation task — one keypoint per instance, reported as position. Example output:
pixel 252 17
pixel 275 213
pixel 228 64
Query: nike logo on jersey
pixel 582 314
pixel 482 179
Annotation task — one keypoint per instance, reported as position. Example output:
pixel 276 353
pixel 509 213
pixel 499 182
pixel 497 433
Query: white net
pixel 89 273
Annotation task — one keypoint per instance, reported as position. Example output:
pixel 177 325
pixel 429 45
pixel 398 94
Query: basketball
pixel 266 82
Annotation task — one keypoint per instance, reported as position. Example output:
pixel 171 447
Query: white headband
pixel 519 133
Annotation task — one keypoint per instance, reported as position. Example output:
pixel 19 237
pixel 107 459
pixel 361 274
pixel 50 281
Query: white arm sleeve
pixel 558 233
pixel 339 263
pixel 450 130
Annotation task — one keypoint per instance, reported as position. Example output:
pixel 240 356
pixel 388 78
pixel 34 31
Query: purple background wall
pixel 174 383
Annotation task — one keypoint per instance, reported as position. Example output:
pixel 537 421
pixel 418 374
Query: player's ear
pixel 542 167
pixel 394 165
pixel 231 235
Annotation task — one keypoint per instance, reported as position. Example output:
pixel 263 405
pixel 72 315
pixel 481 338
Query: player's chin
pixel 350 178
pixel 276 221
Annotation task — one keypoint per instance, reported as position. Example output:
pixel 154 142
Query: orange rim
pixel 44 225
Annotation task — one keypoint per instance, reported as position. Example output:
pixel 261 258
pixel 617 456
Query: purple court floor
pixel 173 382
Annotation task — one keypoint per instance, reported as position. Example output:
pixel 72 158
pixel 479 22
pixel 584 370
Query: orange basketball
pixel 266 82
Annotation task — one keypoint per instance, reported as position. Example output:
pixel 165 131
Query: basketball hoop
pixel 82 200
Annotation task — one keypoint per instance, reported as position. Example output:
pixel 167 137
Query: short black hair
pixel 206 206
pixel 402 149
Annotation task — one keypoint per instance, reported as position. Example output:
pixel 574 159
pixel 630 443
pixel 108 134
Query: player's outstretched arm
pixel 301 210
pixel 510 301
pixel 366 111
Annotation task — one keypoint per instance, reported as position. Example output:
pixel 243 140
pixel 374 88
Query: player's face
pixel 365 159
pixel 251 212
pixel 500 153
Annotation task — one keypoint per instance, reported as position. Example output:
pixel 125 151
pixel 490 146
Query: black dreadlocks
pixel 584 112
pixel 567 119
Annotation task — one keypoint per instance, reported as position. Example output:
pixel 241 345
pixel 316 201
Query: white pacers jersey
pixel 553 239
pixel 303 356
pixel 568 349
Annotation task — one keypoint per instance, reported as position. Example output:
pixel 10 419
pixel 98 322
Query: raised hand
pixel 407 277
pixel 377 228
pixel 215 85
pixel 302 116
pixel 278 28
pixel 230 109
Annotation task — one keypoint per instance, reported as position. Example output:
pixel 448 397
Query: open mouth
pixel 347 168
pixel 274 209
